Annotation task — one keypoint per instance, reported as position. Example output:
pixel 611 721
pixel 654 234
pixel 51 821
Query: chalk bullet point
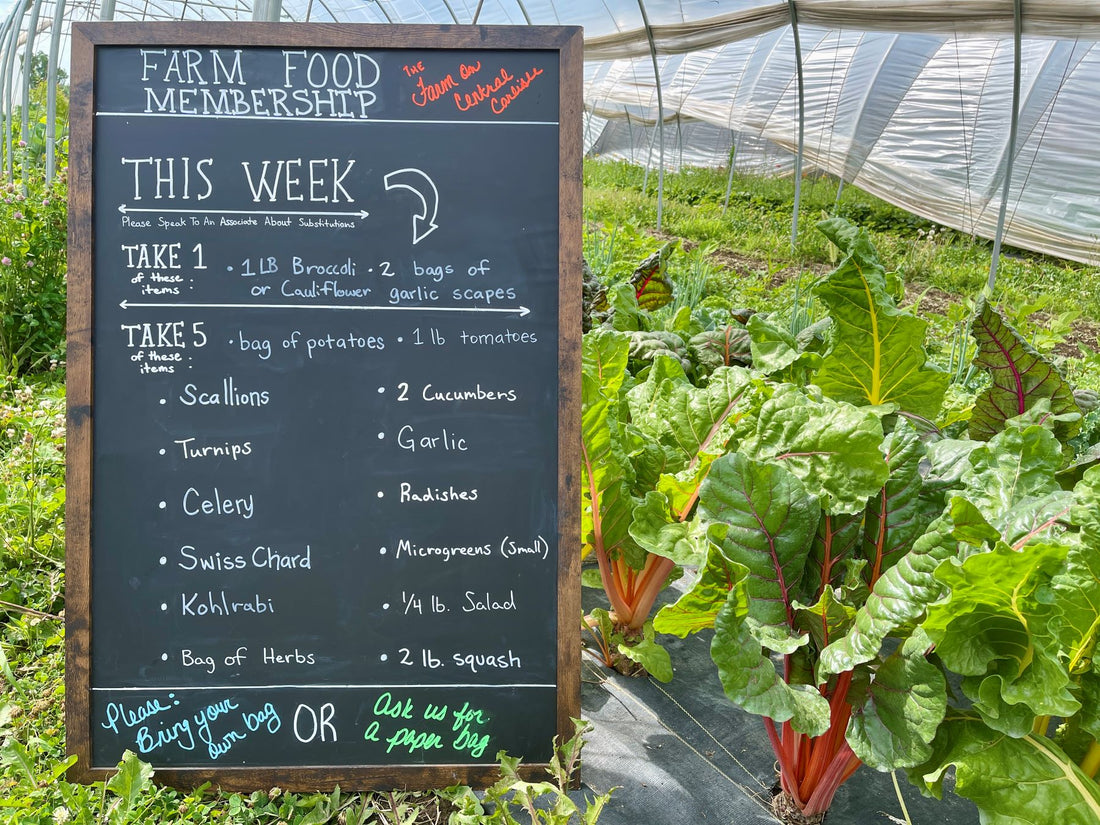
pixel 383 657
pixel 163 560
pixel 164 401
pixel 380 494
pixel 162 505
pixel 381 390
pixel 381 436
pixel 164 657
pixel 229 269
pixel 386 606
pixel 163 606
pixel 382 551
pixel 161 451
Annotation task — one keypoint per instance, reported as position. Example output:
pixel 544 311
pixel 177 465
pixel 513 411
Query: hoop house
pixel 975 113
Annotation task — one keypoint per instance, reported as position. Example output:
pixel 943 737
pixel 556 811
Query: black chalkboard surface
pixel 324 355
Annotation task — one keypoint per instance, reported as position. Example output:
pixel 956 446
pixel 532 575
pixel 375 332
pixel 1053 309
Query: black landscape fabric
pixel 682 754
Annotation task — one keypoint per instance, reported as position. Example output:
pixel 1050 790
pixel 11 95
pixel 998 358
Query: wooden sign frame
pixel 81 495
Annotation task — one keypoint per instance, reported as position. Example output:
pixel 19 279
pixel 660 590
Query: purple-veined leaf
pixel 724 347
pixel 651 285
pixel 836 541
pixel 899 598
pixel 894 518
pixel 1021 378
pixel 877 353
pixel 749 678
pixel 760 515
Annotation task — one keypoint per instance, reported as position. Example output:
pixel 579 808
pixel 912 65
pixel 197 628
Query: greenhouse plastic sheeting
pixel 909 99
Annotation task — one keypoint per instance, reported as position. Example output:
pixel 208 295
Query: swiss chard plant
pixel 851 560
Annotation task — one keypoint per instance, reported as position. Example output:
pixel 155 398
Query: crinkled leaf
pixel 1011 480
pixel 899 598
pixel 894 724
pixel 991 626
pixel 697 608
pixel 1021 378
pixel 691 421
pixel 895 519
pixel 1089 694
pixel 659 531
pixel 777 638
pixel 650 655
pixel 834 448
pixel 725 347
pixel 772 346
pixel 1025 781
pixel 877 352
pixel 749 678
pixel 646 345
pixel 763 517
pixel 1086 514
pixel 1075 624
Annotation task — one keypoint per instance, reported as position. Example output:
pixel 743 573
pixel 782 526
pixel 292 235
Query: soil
pixel 785 810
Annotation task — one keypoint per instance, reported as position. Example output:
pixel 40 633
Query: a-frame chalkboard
pixel 324 372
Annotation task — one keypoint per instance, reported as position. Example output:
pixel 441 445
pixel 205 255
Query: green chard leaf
pixel 690 421
pixel 899 598
pixel 1021 378
pixel 1025 781
pixel 834 448
pixel 749 678
pixel 660 532
pixel 877 355
pixel 775 350
pixel 649 654
pixel 761 516
pixel 1012 481
pixel 895 519
pixel 835 544
pixel 992 627
pixel 604 357
pixel 727 346
pixel 697 609
pixel 894 723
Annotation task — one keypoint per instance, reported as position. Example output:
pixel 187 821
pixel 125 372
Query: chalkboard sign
pixel 324 348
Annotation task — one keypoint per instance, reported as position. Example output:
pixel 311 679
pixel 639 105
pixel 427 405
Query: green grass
pixel 757 224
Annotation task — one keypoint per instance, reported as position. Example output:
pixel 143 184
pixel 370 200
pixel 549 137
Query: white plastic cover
pixel 910 99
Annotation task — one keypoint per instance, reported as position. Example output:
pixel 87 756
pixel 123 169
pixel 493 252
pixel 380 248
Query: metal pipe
pixel 1017 36
pixel 51 87
pixel 801 126
pixel 660 113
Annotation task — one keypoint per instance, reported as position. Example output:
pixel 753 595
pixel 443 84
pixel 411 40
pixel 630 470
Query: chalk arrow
pixel 125 210
pixel 423 224
pixel 521 311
